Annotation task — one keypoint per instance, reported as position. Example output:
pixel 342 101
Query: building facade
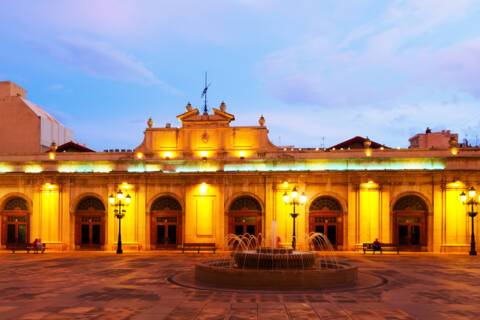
pixel 206 179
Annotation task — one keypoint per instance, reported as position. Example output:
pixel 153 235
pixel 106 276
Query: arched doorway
pixel 410 222
pixel 15 221
pixel 90 224
pixel 166 223
pixel 245 216
pixel 325 216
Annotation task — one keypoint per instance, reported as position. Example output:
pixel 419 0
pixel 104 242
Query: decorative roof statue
pixel 367 143
pixel 150 123
pixel 53 146
pixel 223 106
pixel 189 106
pixel 261 121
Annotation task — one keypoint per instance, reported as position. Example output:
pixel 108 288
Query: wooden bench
pixel 25 247
pixel 198 247
pixel 383 247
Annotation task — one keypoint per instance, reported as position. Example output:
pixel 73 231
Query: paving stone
pixel 88 285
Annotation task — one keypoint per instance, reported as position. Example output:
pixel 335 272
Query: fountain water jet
pixel 252 265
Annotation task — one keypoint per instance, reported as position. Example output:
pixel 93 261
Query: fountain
pixel 252 265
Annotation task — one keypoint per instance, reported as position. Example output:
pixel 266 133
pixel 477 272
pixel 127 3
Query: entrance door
pixel 90 224
pixel 165 223
pixel 245 225
pixel 409 229
pixel 15 221
pixel 91 232
pixel 166 232
pixel 328 226
pixel 16 229
pixel 245 216
pixel 410 223
pixel 325 216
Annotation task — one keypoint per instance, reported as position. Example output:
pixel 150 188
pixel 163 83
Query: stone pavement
pixel 102 285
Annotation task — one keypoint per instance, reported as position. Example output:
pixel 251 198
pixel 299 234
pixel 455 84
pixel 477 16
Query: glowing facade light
pixel 4 168
pixel 168 155
pixel 51 155
pixel 49 186
pixel 139 155
pixel 242 154
pixel 463 197
pixel 34 168
pixel 203 188
pixel 204 155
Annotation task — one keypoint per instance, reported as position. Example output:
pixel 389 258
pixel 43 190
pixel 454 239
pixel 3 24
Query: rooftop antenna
pixel 204 95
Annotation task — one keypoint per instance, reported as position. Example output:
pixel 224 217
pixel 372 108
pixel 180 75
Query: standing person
pixel 35 244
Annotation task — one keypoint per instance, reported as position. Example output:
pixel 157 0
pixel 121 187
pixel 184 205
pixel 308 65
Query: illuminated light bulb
pixel 303 198
pixel 463 197
pixel 294 193
pixel 368 152
pixel 51 155
pixel 472 192
pixel 128 199
pixel 286 198
pixel 139 155
pixel 454 151
pixel 242 154
pixel 119 195
pixel 111 199
pixel 167 155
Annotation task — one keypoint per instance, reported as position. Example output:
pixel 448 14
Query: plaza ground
pixel 102 285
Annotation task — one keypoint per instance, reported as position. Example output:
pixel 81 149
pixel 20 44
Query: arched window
pixel 91 203
pixel 325 203
pixel 245 203
pixel 410 203
pixel 166 203
pixel 16 203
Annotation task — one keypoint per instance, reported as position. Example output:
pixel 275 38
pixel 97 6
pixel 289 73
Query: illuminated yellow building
pixel 206 179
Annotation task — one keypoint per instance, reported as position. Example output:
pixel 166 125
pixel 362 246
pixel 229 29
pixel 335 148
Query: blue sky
pixel 317 70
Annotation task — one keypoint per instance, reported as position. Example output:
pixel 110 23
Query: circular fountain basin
pixel 263 258
pixel 219 273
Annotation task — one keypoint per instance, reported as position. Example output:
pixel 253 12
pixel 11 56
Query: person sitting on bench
pixel 376 245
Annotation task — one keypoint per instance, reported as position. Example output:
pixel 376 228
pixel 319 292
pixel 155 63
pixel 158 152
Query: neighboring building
pixel 206 179
pixel 26 128
pixel 433 140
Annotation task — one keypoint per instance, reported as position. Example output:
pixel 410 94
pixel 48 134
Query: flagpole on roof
pixel 204 95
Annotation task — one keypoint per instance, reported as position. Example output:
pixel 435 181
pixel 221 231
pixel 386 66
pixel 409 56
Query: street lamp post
pixel 295 200
pixel 118 202
pixel 470 202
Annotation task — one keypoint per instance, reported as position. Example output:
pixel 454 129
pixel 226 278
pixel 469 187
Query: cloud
pixel 380 61
pixel 100 59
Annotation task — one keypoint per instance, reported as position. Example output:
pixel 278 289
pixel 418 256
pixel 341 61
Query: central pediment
pixel 192 117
